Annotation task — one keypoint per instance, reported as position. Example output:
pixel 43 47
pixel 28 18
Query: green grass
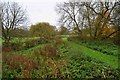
pixel 65 39
pixel 107 59
pixel 72 61
pixel 17 40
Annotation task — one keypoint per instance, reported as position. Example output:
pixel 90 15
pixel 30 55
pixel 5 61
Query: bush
pixel 58 42
pixel 15 65
pixel 11 47
pixel 34 42
pixel 16 46
pixel 6 49
pixel 49 50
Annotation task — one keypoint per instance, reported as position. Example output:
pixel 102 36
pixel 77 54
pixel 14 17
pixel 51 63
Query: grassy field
pixel 59 58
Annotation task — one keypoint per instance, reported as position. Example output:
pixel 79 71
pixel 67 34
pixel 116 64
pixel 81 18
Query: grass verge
pixel 107 59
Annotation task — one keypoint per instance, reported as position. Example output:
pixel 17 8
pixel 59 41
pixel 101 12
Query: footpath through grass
pixel 107 59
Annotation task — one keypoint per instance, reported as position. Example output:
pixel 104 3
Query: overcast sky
pixel 40 10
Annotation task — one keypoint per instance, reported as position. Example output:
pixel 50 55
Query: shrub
pixel 11 47
pixel 16 46
pixel 29 44
pixel 34 42
pixel 6 49
pixel 59 41
pixel 20 65
pixel 49 50
pixel 43 40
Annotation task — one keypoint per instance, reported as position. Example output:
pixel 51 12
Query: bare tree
pixel 79 15
pixel 11 16
pixel 90 17
pixel 104 11
pixel 71 14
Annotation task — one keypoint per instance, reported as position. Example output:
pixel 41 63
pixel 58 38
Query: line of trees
pixel 98 20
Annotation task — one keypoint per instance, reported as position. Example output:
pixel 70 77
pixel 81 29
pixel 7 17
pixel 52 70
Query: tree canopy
pixel 42 29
